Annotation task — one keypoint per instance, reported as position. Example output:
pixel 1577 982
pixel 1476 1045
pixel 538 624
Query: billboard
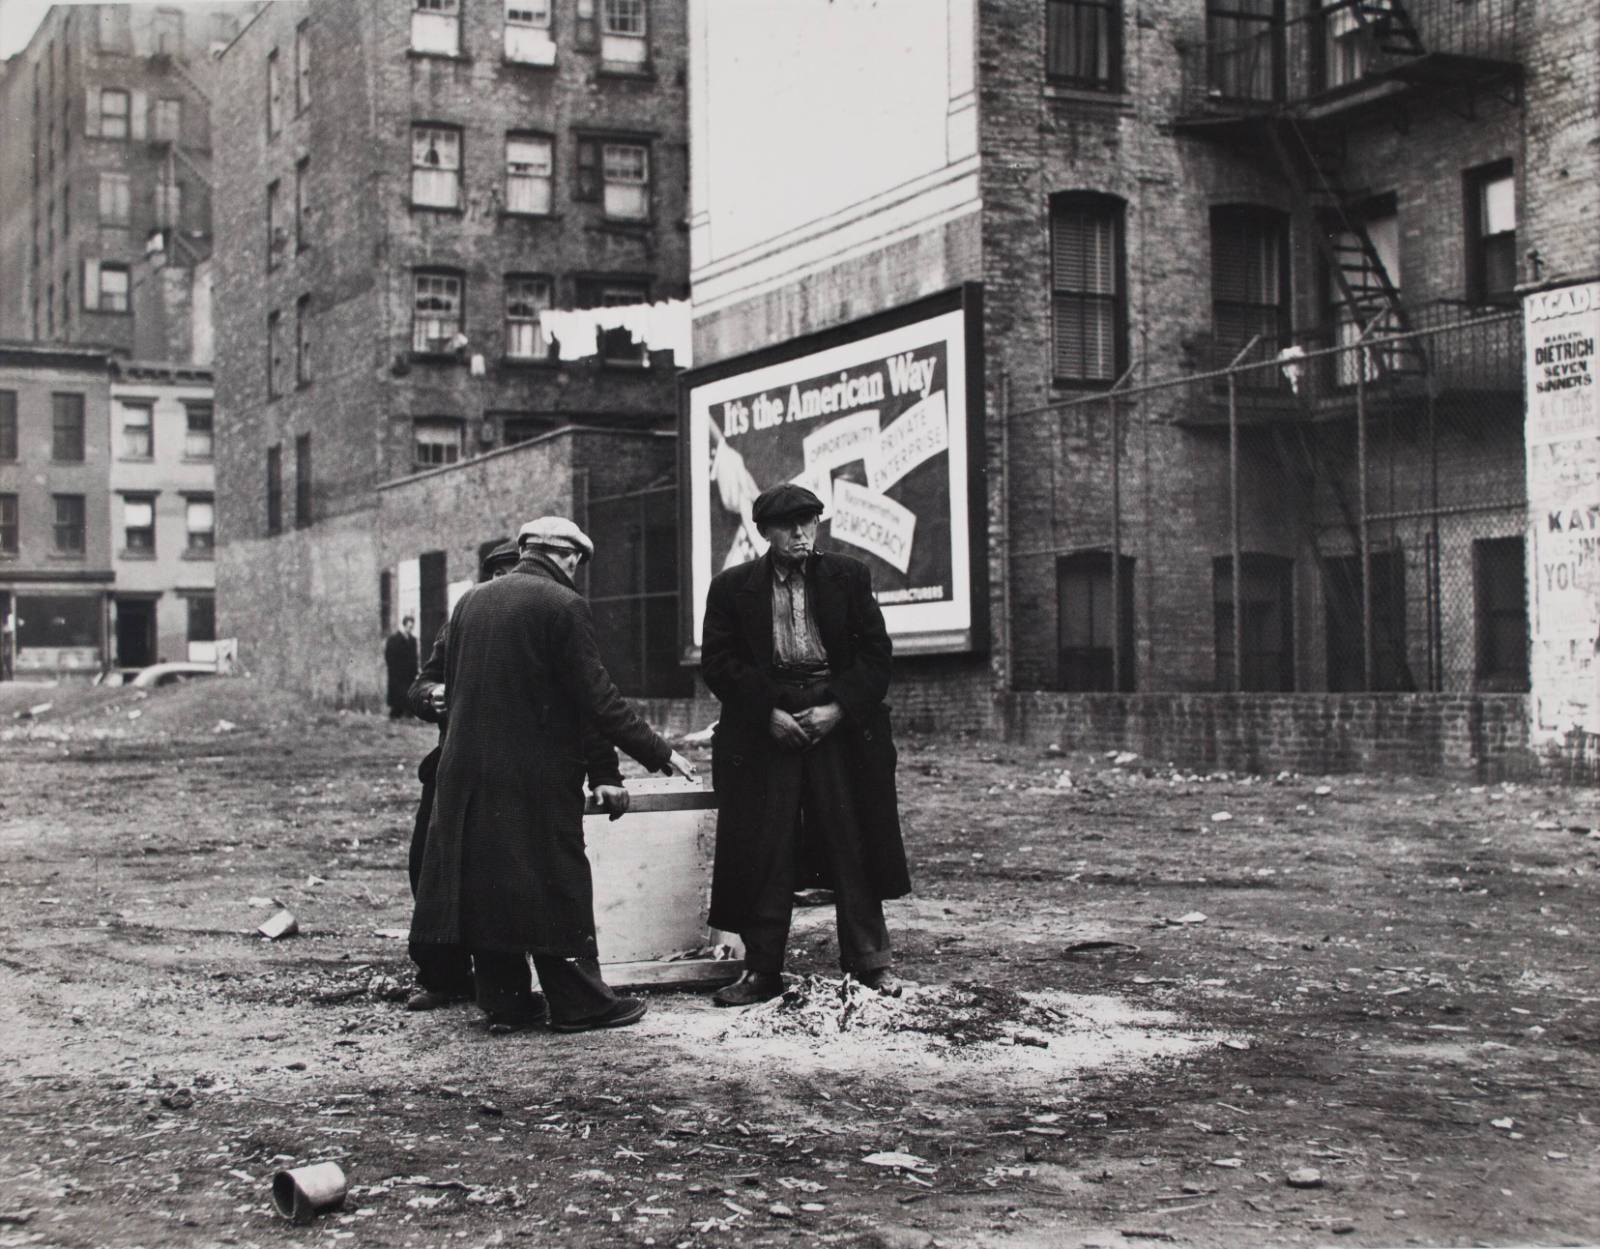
pixel 882 420
pixel 1561 328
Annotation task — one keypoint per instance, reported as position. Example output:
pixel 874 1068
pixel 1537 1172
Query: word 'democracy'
pixel 874 522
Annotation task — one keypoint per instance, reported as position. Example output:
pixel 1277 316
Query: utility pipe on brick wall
pixel 1236 542
pixel 1364 541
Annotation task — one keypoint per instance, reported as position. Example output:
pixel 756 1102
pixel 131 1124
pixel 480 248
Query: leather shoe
pixel 622 1012
pixel 530 1015
pixel 433 999
pixel 880 980
pixel 750 988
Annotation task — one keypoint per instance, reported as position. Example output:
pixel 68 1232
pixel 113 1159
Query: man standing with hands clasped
pixel 504 873
pixel 802 759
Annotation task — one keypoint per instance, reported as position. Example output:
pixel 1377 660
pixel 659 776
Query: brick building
pixel 401 193
pixel 105 213
pixel 1145 195
pixel 55 512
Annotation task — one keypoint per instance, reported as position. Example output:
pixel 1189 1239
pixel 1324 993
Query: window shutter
pixel 91 285
pixel 91 112
pixel 138 109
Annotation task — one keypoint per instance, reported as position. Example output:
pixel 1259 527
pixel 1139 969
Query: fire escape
pixel 1287 91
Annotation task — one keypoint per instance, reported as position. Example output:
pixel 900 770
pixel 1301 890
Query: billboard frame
pixel 967 299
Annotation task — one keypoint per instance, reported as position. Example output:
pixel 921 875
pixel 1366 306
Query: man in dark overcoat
pixel 802 759
pixel 504 872
pixel 400 662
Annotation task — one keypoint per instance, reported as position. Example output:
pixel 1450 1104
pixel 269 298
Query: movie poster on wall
pixel 875 422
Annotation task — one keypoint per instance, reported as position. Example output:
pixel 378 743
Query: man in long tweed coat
pixel 504 872
pixel 802 759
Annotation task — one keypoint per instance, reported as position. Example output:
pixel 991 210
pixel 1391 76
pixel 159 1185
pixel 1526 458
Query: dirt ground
pixel 1153 1006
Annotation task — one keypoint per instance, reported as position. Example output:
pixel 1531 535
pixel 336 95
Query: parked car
pixel 171 674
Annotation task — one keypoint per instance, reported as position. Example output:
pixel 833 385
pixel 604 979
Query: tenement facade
pixel 403 194
pixel 1185 219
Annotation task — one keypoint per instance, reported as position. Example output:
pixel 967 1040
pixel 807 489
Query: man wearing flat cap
pixel 802 759
pixel 504 873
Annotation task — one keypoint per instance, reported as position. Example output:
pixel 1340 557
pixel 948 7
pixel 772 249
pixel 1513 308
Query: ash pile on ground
pixel 958 1027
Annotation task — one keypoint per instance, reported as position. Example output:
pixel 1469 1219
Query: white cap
pixel 556 533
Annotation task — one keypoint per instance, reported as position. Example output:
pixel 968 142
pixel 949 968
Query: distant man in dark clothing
pixel 802 759
pixel 444 972
pixel 400 658
pixel 504 872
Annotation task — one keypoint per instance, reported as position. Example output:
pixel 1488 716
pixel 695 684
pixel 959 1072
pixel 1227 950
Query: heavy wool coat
pixel 736 658
pixel 504 867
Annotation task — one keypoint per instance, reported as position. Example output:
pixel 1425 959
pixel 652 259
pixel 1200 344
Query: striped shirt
pixel 795 640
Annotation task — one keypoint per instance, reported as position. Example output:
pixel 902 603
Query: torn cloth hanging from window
pixel 655 327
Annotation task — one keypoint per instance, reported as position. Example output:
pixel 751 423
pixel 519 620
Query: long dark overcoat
pixel 400 663
pixel 504 867
pixel 736 656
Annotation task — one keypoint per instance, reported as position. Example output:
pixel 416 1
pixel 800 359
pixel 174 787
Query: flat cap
pixel 557 533
pixel 784 502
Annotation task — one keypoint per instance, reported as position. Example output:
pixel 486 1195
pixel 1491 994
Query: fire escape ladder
pixel 1392 30
pixel 1354 265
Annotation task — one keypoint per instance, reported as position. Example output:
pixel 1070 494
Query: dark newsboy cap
pixel 784 502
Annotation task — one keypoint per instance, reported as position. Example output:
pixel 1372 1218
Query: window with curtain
pixel 200 520
pixel 625 169
pixel 198 439
pixel 436 27
pixel 436 312
pixel 526 298
pixel 530 169
pixel 1083 43
pixel 1244 39
pixel 435 167
pixel 1491 242
pixel 114 199
pixel 435 441
pixel 1088 309
pixel 138 441
pixel 139 524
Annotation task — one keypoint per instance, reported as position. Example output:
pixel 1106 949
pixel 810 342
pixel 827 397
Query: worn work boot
pixel 750 988
pixel 880 980
pixel 621 1013
pixel 531 1014
pixel 424 998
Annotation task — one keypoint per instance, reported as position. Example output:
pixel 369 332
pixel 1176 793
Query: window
pixel 274 355
pixel 526 298
pixel 169 120
pixel 67 533
pixel 66 428
pixel 302 481
pixel 1087 308
pixel 277 235
pixel 1499 579
pixel 1083 43
pixel 1349 40
pixel 436 27
pixel 139 524
pixel 528 37
pixel 615 174
pixel 198 440
pixel 435 167
pixel 302 204
pixel 8 425
pixel 1268 622
pixel 1492 234
pixel 113 113
pixel 1342 590
pixel 137 430
pixel 436 312
pixel 114 28
pixel 1243 38
pixel 1249 286
pixel 1085 622
pixel 1364 272
pixel 302 341
pixel 169 32
pixel 169 204
pixel 112 292
pixel 623 31
pixel 530 166
pixel 8 524
pixel 274 95
pixel 302 67
pixel 274 489
pixel 435 441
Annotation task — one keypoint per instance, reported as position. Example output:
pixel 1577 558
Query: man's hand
pixel 786 730
pixel 436 700
pixel 681 766
pixel 818 722
pixel 613 799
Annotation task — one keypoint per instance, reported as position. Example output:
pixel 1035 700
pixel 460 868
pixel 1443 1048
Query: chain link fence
pixel 1344 512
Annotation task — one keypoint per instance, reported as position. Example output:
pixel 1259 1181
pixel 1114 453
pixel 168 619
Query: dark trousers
pixel 573 987
pixel 810 802
pixel 441 968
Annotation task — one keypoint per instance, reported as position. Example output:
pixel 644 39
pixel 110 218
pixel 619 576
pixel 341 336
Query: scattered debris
pixel 1304 1177
pixel 281 923
pixel 1221 817
pixel 898 1161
